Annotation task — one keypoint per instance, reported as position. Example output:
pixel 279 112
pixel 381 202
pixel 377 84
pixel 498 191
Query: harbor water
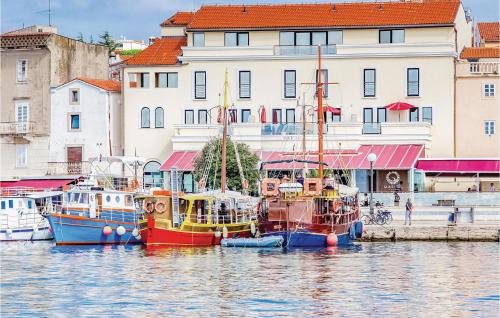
pixel 403 279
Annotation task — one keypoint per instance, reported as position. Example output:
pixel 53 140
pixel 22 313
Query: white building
pixel 375 53
pixel 86 117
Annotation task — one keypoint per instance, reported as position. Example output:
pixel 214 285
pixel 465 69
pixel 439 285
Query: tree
pixel 108 41
pixel 80 37
pixel 91 41
pixel 248 161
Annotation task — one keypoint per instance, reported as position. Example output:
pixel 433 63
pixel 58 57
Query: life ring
pixel 134 184
pixel 160 207
pixel 148 206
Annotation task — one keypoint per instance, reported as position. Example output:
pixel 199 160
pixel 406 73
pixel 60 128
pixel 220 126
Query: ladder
pixel 208 165
pixel 174 187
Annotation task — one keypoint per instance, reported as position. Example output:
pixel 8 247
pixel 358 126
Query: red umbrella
pixel 330 109
pixel 399 106
pixel 263 114
pixel 219 115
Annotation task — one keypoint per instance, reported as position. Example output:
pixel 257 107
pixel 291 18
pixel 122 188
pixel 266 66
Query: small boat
pixel 266 241
pixel 22 214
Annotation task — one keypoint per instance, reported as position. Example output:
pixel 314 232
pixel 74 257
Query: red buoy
pixel 332 239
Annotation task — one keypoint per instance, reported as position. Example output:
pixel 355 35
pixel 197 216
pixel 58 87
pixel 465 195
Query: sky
pixel 140 19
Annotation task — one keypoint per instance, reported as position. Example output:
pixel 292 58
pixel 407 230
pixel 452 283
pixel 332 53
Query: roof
pixel 480 52
pixel 489 31
pixel 12 34
pixel 108 85
pixel 163 51
pixel 356 14
pixel 459 165
pixel 180 18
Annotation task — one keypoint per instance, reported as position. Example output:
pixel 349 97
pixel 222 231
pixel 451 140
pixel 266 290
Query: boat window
pixel 312 187
pixel 68 196
pixel 108 198
pixel 3 205
pixel 117 199
pixel 30 204
pixel 11 204
pixel 91 198
pixel 128 200
pixel 76 197
pixel 84 198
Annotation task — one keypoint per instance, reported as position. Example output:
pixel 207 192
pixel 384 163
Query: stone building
pixel 33 60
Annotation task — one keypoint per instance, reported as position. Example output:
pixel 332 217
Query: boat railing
pixel 340 217
pixel 20 191
pixel 22 219
pixel 102 214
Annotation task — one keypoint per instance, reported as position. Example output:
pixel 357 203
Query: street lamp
pixel 371 159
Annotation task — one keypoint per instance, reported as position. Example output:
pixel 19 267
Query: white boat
pixel 22 214
pixel 266 241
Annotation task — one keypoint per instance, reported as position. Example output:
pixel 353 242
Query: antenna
pixel 49 14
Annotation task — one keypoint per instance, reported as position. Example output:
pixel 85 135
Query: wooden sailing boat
pixel 315 213
pixel 201 219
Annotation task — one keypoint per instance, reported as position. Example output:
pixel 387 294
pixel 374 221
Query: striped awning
pixel 182 160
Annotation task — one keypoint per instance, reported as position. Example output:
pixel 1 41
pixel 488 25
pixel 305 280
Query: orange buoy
pixel 332 239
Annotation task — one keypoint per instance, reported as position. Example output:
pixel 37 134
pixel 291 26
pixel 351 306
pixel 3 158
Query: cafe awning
pixel 38 183
pixel 459 166
pixel 182 160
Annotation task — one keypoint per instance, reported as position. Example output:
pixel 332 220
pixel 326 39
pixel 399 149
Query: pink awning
pixel 399 106
pixel 459 165
pixel 182 160
pixel 39 183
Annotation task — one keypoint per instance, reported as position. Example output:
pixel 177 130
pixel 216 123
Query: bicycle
pixel 381 217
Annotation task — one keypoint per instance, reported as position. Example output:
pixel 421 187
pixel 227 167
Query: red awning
pixel 459 165
pixel 182 160
pixel 39 183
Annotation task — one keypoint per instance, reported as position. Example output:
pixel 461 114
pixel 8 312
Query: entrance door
pixel 21 117
pixel 74 160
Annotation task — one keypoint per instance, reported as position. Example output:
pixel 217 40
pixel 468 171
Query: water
pixel 417 279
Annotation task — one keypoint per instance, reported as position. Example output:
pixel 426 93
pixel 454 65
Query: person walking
pixel 409 210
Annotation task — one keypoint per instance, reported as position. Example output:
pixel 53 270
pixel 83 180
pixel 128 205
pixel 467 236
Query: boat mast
pixel 320 116
pixel 224 138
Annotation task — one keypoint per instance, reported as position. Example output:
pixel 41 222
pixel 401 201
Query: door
pixel 74 160
pixel 22 117
pixel 93 205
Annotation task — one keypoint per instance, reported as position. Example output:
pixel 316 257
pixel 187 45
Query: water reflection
pixel 401 279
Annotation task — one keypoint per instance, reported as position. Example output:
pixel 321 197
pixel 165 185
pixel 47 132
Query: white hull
pixel 27 234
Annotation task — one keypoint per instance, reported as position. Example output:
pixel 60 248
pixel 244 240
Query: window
pixel 236 39
pixel 74 96
pixel 132 80
pixel 159 121
pixel 337 118
pixel 287 38
pixel 11 204
pixel 489 90
pixel 290 115
pixel 30 204
pixel 244 79
pixel 381 115
pixel 276 116
pixel 143 80
pixel 3 205
pixel 233 116
pixel 153 177
pixel 198 39
pixel 489 127
pixel 108 198
pixel 335 37
pixel 414 114
pixel 367 115
pixel 302 38
pixel 245 115
pixel 319 38
pixel 202 117
pixel 163 80
pixel 369 77
pixel 22 112
pixel 290 84
pixel 324 79
pixel 74 121
pixel 21 155
pixel 189 117
pixel 117 199
pixel 391 36
pixel 427 114
pixel 200 85
pixel 22 70
pixel 413 82
pixel 145 117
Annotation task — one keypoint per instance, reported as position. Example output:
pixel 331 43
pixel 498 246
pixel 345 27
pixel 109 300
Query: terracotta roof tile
pixel 109 85
pixel 480 52
pixel 489 31
pixel 180 18
pixel 356 14
pixel 163 51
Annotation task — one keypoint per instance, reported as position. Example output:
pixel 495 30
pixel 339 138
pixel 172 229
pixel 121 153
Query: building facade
pixel 35 59
pixel 86 118
pixel 373 54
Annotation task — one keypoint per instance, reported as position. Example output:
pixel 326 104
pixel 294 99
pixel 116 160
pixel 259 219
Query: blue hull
pixel 70 231
pixel 308 239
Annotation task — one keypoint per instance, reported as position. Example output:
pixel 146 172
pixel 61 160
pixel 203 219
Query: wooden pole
pixel 224 138
pixel 320 116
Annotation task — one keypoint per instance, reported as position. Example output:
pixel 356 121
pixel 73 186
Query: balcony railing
pixel 68 168
pixel 291 129
pixel 483 67
pixel 371 128
pixel 16 127
pixel 304 50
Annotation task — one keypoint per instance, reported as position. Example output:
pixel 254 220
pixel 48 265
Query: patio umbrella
pixel 330 109
pixel 263 114
pixel 398 106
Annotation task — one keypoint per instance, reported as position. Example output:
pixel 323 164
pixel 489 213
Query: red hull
pixel 158 236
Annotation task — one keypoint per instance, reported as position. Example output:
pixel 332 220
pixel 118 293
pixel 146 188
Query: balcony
pixel 295 50
pixel 16 128
pixel 68 168
pixel 371 128
pixel 477 68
